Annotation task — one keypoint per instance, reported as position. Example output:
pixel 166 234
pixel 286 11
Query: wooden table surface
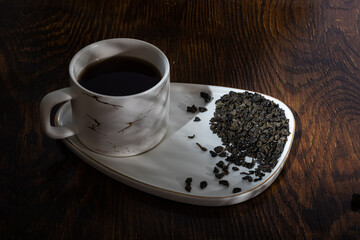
pixel 305 53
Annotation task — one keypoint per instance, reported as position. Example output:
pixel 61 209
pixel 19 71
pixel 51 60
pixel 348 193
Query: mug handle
pixel 46 104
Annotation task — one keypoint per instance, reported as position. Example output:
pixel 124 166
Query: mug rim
pixel 84 49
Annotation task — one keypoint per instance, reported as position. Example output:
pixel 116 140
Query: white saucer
pixel 162 171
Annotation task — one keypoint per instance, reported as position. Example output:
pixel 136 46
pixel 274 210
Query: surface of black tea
pixel 119 76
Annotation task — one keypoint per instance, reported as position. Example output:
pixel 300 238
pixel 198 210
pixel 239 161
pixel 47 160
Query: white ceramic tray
pixel 162 171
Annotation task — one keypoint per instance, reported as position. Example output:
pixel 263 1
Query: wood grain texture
pixel 305 53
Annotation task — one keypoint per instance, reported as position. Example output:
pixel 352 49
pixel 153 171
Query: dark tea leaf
pixel 201 147
pixel 202 109
pixel 192 109
pixel 224 182
pixel 197 119
pixel 203 184
pixel 236 190
pixel 206 96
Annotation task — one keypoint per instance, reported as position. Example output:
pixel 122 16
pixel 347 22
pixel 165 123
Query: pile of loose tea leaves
pixel 250 125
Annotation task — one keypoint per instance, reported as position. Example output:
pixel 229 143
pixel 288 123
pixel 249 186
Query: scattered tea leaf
pixel 218 149
pixel 202 109
pixel 191 109
pixel 206 96
pixel 191 137
pixel 197 119
pixel 188 180
pixel 257 179
pixel 249 178
pixel 203 184
pixel 188 184
pixel 220 164
pixel 224 182
pixel 222 154
pixel 201 147
pixel 219 175
pixel 236 190
pixel 213 154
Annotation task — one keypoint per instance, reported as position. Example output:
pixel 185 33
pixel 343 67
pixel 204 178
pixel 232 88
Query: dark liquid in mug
pixel 119 76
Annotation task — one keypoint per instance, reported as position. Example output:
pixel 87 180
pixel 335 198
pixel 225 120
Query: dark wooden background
pixel 304 52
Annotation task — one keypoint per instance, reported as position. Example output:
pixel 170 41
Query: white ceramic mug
pixel 113 125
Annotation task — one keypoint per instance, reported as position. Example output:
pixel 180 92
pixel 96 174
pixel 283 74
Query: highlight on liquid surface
pixel 119 76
